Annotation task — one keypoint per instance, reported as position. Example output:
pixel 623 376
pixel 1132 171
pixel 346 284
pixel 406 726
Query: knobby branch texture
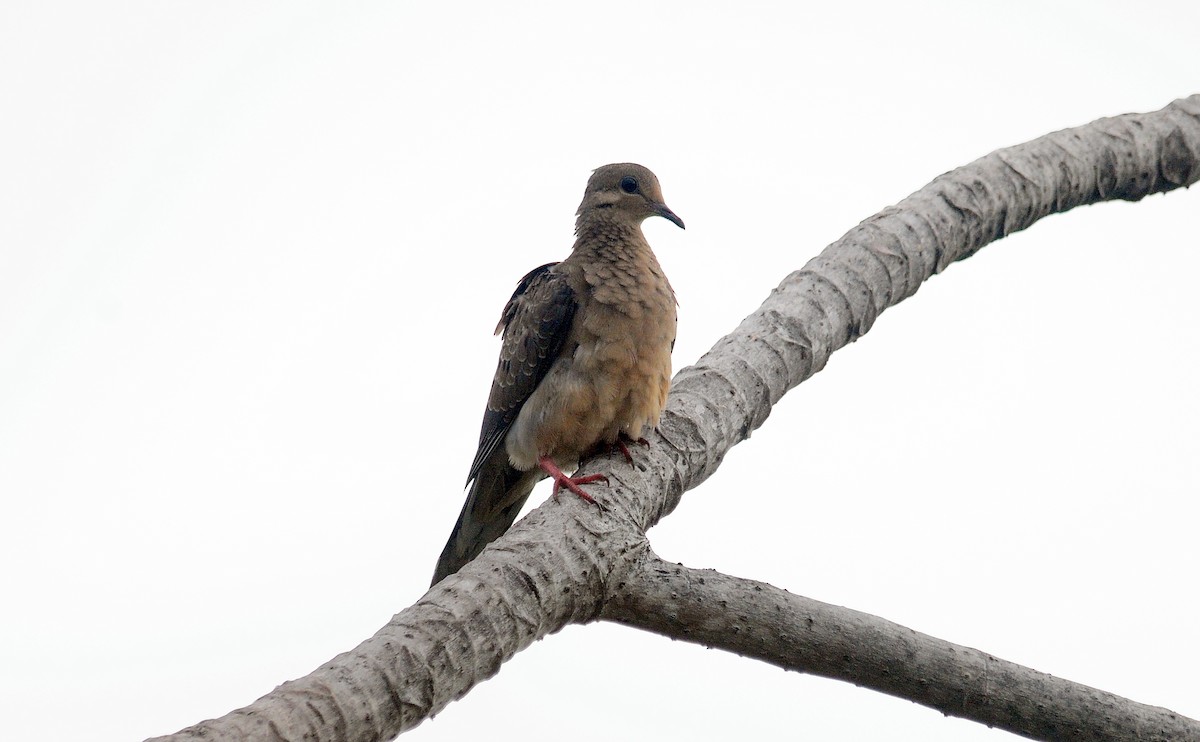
pixel 568 563
pixel 753 619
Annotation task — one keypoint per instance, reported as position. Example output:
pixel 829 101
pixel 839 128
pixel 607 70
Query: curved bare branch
pixel 560 564
pixel 754 619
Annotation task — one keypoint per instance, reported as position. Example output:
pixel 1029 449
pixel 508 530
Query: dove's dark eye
pixel 629 184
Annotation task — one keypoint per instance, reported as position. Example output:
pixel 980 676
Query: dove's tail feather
pixel 496 497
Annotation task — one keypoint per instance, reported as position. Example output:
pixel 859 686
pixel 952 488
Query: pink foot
pixel 562 480
pixel 625 450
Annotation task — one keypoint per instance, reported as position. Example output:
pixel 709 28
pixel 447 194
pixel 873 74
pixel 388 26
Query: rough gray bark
pixel 566 563
pixel 753 619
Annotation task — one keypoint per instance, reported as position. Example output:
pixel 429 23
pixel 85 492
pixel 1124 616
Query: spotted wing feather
pixel 536 323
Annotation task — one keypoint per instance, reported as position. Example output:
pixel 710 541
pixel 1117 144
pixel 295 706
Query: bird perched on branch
pixel 585 362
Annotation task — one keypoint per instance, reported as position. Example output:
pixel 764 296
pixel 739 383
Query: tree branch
pixel 754 619
pixel 561 564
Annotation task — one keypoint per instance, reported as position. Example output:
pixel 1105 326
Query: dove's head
pixel 624 192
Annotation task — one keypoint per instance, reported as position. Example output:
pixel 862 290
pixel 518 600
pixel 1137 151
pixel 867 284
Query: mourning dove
pixel 585 361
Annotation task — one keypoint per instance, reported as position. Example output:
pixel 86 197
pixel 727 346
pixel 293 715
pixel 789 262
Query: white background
pixel 251 255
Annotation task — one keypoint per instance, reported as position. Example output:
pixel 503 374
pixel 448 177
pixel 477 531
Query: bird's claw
pixel 572 483
pixel 625 449
pixel 561 480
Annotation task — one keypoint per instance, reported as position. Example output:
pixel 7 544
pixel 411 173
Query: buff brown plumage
pixel 585 361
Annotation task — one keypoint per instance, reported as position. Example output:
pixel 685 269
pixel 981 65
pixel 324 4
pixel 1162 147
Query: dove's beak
pixel 669 215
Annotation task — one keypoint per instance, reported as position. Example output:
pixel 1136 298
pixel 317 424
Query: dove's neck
pixel 618 263
pixel 597 233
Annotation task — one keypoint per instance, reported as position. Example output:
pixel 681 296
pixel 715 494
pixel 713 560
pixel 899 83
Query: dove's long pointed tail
pixel 496 497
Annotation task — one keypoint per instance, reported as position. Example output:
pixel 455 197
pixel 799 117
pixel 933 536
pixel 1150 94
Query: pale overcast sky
pixel 251 255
